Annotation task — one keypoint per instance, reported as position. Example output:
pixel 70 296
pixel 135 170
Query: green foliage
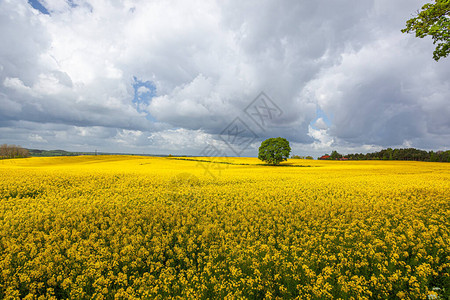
pixel 301 157
pixel 335 155
pixel 433 20
pixel 12 151
pixel 403 154
pixel 274 150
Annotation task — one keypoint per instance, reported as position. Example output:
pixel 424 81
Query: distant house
pixel 325 157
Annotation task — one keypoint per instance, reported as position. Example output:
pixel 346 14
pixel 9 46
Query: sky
pixel 219 77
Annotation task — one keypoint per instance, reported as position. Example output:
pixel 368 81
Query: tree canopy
pixel 12 151
pixel 274 150
pixel 433 20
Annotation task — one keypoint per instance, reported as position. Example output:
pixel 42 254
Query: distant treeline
pixel 49 153
pixel 46 153
pixel 301 157
pixel 394 154
pixel 12 151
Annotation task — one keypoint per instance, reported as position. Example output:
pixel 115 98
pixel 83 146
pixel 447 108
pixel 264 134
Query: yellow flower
pixel 156 228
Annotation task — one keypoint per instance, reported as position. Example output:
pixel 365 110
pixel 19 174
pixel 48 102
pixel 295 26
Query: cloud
pixel 320 124
pixel 323 140
pixel 134 74
pixel 381 103
pixel 36 138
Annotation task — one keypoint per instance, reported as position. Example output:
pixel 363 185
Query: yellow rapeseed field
pixel 128 227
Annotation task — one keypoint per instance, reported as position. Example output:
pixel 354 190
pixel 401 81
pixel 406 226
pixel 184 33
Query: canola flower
pixel 125 227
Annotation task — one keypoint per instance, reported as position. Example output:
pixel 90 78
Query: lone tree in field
pixel 274 150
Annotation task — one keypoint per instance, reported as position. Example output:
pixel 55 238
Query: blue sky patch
pixel 144 91
pixel 321 114
pixel 38 6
